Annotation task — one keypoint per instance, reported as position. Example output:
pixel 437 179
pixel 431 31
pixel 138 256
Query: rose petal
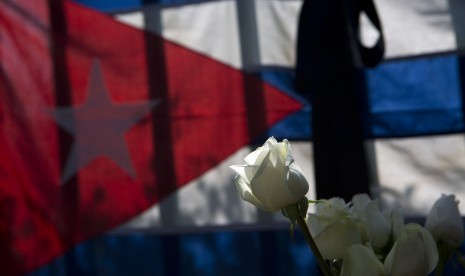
pixel 361 260
pixel 334 241
pixel 247 173
pixel 333 207
pixel 246 193
pixel 414 252
pixel 270 187
pixel 317 224
pixel 298 184
pixel 252 157
pixel 396 217
pixel 360 201
pixel 379 229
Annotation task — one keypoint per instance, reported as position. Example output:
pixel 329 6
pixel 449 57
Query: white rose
pixel 375 227
pixel 361 260
pixel 326 213
pixel 334 241
pixel 413 253
pixel 270 179
pixel 333 228
pixel 444 221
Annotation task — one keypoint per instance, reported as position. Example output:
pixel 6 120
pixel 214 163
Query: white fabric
pixel 210 28
pixel 414 172
pixel 212 200
pixel 414 27
pixel 411 27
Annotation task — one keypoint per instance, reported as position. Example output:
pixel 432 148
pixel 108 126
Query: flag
pixel 99 129
pixel 120 118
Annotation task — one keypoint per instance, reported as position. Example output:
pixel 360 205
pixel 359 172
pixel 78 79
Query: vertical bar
pixel 163 164
pixel 456 8
pixel 63 97
pixel 250 56
pixel 256 115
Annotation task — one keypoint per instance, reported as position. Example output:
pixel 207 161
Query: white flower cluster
pixel 371 242
pixel 357 234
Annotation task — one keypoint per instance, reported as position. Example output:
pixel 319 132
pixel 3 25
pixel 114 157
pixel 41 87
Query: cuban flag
pixel 119 120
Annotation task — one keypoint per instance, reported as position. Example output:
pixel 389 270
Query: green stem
pixel 311 242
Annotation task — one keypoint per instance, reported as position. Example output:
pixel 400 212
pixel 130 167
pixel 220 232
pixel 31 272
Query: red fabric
pixel 202 118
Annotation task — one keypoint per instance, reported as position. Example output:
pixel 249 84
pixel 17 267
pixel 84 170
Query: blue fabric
pixel 415 97
pixel 214 253
pixel 406 97
pixel 113 6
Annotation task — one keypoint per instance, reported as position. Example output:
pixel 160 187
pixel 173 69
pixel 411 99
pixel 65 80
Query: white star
pixel 98 126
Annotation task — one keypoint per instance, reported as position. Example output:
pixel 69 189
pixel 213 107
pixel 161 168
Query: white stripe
pixel 209 28
pixel 277 29
pixel 212 28
pixel 212 200
pixel 415 27
pixel 411 28
pixel 414 172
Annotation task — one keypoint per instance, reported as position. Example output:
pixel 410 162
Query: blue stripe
pixel 415 97
pixel 216 253
pixel 114 6
pixel 111 5
pixel 408 97
pixel 213 253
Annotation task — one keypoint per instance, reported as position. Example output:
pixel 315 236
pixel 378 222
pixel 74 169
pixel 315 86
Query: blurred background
pixel 204 83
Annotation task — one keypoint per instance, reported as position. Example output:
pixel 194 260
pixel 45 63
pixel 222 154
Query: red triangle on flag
pixel 204 112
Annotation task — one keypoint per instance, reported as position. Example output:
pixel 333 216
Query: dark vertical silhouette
pixel 69 190
pixel 163 163
pixel 256 114
pixel 329 72
pixel 461 67
pixel 456 8
pixel 250 57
